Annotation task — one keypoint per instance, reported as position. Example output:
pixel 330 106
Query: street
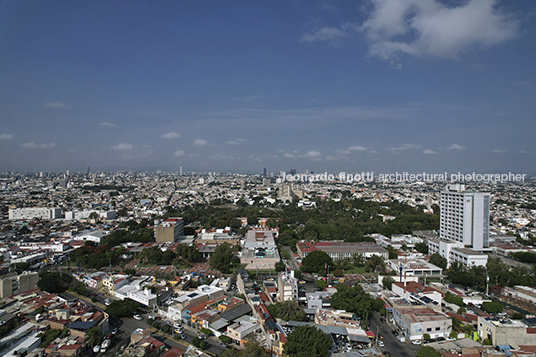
pixel 392 345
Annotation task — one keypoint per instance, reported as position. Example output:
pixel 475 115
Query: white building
pixel 94 236
pixel 465 216
pixel 467 257
pixel 287 287
pixel 137 292
pixel 77 215
pixel 30 213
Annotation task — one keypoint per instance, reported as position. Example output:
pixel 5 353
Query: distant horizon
pixel 238 86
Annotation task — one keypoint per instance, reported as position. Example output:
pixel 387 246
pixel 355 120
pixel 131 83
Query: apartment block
pixel 465 216
pixel 169 230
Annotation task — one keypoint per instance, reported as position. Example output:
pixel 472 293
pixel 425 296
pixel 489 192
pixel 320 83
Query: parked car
pixel 381 344
pixel 417 342
pixel 138 317
pixel 96 349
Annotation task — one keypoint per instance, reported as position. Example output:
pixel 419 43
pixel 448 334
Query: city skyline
pixel 239 87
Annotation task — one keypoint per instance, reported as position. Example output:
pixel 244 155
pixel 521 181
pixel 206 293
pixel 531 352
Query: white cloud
pixel 431 28
pixel 108 125
pixel 6 136
pixel 429 152
pixel 179 153
pixel 522 152
pixel 357 148
pixel 325 34
pixel 123 146
pixel 55 105
pixel 313 154
pixel 238 141
pixel 171 135
pixel 499 151
pixel 404 147
pixel 200 142
pixel 456 147
pixel 32 145
pixel 289 156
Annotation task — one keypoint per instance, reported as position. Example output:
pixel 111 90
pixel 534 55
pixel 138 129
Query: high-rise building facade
pixel 465 216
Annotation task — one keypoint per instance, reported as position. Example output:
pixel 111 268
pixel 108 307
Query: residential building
pixel 417 320
pixel 464 216
pixel 342 250
pixel 287 287
pixel 11 284
pixel 29 213
pixel 169 230
pixel 238 331
pixel 506 331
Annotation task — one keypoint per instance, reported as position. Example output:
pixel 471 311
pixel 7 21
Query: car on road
pixel 417 342
pixel 138 317
pixel 109 337
pixel 182 336
pixel 107 301
pixel 150 317
pixel 115 331
pixel 381 344
pixel 96 349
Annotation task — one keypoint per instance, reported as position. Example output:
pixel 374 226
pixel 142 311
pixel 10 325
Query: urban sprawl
pixel 205 264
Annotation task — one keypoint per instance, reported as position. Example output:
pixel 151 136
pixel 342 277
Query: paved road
pixel 392 345
pixel 292 261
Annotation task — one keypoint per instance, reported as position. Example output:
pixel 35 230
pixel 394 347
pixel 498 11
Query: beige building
pixel 169 230
pixel 12 284
pixel 506 331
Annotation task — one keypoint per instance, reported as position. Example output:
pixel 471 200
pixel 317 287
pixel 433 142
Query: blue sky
pixel 236 86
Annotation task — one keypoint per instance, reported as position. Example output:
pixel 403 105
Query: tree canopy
pixel 287 310
pixel 438 260
pixel 307 341
pixel 54 282
pixel 315 262
pixel 122 308
pixel 352 299
pixel 223 258
pixel 428 351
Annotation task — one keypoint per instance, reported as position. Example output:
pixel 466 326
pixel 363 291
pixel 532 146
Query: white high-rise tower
pixel 465 216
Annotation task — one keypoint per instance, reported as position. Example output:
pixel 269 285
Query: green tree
pixel 287 310
pixel 225 339
pixel 223 258
pixel 377 304
pixel 492 307
pixel 321 284
pixel 422 247
pixel 428 351
pixel 122 308
pixel 54 282
pixel 387 282
pixel 315 262
pixel 453 299
pixel 352 299
pixel 393 253
pixel 93 336
pixel 375 263
pixel 338 273
pixel 438 261
pixel 279 266
pixel 307 341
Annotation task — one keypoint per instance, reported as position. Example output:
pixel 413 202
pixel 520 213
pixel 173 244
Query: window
pixel 428 329
pixel 438 328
